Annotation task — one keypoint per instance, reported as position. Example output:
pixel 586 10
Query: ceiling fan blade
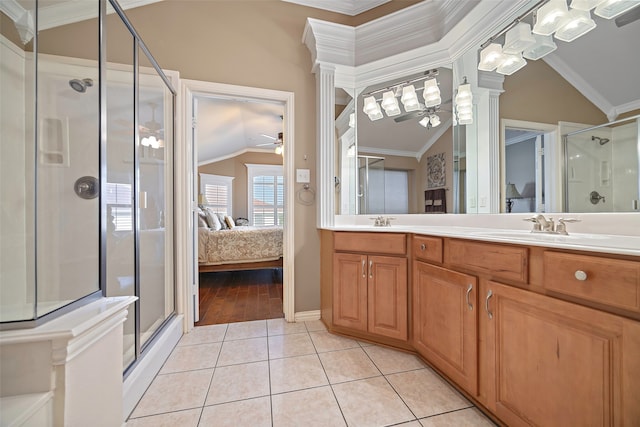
pixel 268 136
pixel 408 116
pixel 628 17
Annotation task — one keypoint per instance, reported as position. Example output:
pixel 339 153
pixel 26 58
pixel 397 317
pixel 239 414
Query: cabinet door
pixel 445 322
pixel 350 290
pixel 388 296
pixel 553 363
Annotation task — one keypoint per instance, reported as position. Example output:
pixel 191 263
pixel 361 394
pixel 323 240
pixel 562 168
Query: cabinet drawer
pixel 498 261
pixel 603 280
pixel 427 248
pixel 379 243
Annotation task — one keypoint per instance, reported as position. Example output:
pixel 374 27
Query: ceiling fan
pixel 276 141
pixel 152 133
pixel 422 112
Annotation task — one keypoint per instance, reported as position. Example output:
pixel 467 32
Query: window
pixel 266 194
pixel 217 192
pixel 118 198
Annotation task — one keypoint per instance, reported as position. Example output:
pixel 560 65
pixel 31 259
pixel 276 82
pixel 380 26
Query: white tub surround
pixel 616 233
pixel 72 363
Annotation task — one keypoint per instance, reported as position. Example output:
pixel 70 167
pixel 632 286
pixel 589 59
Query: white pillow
pixel 212 219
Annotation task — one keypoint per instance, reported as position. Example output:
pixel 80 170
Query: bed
pixel 239 248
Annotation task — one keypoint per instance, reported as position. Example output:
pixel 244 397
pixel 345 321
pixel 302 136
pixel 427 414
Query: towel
pixel 435 201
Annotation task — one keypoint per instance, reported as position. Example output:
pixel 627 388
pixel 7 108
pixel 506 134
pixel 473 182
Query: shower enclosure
pixel 86 170
pixel 601 167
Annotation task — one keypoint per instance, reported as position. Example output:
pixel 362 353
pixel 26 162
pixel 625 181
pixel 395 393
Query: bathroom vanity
pixel 530 328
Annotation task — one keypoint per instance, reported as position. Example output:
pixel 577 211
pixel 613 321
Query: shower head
pixel 80 85
pixel 601 141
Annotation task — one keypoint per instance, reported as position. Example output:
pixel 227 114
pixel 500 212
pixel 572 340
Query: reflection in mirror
pixel 602 168
pixel 404 145
pixel 584 83
pixel 345 180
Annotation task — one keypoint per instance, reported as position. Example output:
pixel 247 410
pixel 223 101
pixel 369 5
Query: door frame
pixel 188 200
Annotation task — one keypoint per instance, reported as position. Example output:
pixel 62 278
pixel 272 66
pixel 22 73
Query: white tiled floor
pixel 273 373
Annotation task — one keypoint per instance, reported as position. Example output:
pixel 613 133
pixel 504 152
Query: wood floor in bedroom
pixel 240 296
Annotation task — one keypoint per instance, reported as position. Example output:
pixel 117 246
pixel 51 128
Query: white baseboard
pixel 306 316
pixel 142 375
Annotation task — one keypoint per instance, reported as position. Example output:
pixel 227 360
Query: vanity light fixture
pixel 585 4
pixel 518 39
pixel 577 23
pixel 390 104
pixel 410 99
pixel 490 57
pixel 352 120
pixel 609 9
pixel 544 46
pixel 550 17
pixel 431 93
pixel 511 64
pixel 464 104
pixel 372 109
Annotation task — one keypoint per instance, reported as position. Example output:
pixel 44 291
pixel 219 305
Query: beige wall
pixel 537 93
pixel 247 43
pixel 236 168
pixel 442 145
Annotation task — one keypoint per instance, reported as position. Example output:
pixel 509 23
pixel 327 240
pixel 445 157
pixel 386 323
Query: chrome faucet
pixel 544 225
pixel 381 221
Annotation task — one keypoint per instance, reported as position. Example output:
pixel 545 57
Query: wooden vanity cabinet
pixel 370 291
pixel 547 362
pixel 445 322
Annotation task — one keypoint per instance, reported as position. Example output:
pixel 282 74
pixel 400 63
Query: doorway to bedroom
pixel 240 146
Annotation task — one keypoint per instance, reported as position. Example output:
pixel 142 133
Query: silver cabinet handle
pixel 370 269
pixel 469 289
pixel 364 263
pixel 423 247
pixel 580 275
pixel 486 304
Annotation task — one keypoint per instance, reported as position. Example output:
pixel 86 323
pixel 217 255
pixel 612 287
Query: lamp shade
pixel 550 17
pixel 431 93
pixel 390 104
pixel 424 121
pixel 577 23
pixel 370 105
pixel 511 64
pixel 544 45
pixel 585 4
pixel 434 119
pixel 609 9
pixel 490 57
pixel 511 192
pixel 518 39
pixel 352 120
pixel 409 98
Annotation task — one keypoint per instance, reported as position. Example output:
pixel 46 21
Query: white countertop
pixel 511 229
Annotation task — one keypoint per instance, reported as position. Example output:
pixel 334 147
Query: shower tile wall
pixel 625 158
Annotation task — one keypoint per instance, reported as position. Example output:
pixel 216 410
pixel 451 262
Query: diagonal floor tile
pixel 204 335
pixel 238 382
pixel 471 417
pixel 188 418
pixel 252 412
pixel 290 345
pixel 426 393
pixel 391 361
pixel 192 357
pixel 244 330
pixel 348 365
pixel 325 341
pixel 243 351
pixel 174 392
pixel 296 373
pixel 282 327
pixel 309 408
pixel 371 402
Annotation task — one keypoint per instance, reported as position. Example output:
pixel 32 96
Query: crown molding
pixel 234 154
pixel 387 151
pixel 625 108
pixel 345 7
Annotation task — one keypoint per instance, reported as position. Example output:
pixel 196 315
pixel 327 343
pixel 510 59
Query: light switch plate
pixel 302 176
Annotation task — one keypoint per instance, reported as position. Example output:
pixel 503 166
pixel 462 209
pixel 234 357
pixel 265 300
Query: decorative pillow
pixel 212 219
pixel 223 223
pixel 202 222
pixel 229 221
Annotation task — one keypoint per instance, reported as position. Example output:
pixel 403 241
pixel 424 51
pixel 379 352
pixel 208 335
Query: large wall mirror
pixel 569 124
pixel 394 147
